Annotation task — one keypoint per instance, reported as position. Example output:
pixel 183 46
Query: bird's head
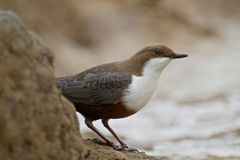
pixel 156 57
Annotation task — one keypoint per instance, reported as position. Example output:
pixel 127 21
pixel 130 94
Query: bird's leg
pixel 105 123
pixel 88 122
pixel 123 145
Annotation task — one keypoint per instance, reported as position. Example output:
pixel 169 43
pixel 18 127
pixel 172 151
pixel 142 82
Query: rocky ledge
pixel 36 122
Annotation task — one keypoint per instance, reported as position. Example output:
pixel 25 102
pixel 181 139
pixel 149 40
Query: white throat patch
pixel 142 87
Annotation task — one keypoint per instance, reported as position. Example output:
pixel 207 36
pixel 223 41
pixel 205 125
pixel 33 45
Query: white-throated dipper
pixel 118 89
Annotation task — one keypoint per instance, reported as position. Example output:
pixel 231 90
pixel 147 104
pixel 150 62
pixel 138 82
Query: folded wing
pixel 94 88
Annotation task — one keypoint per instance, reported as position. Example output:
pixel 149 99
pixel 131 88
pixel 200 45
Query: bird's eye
pixel 157 51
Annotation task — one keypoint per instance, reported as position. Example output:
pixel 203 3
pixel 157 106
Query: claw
pixel 124 147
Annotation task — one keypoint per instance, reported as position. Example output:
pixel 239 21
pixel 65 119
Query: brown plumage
pixel 97 92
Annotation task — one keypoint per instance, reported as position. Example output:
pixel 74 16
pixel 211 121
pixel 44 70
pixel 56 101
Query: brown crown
pixel 155 51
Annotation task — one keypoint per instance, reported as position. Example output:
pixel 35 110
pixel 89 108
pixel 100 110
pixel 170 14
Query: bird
pixel 118 89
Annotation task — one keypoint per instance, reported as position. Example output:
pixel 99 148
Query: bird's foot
pixel 109 143
pixel 124 147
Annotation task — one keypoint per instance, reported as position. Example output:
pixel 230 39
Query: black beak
pixel 175 55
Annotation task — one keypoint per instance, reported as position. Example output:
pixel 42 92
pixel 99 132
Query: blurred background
pixel 195 113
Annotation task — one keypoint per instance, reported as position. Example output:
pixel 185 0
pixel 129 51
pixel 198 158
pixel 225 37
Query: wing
pixel 95 88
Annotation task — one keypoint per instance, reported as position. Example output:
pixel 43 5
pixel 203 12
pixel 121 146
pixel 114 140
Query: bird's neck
pixel 153 68
pixel 142 87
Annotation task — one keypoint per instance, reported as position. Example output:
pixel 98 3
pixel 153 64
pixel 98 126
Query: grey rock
pixel 35 121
